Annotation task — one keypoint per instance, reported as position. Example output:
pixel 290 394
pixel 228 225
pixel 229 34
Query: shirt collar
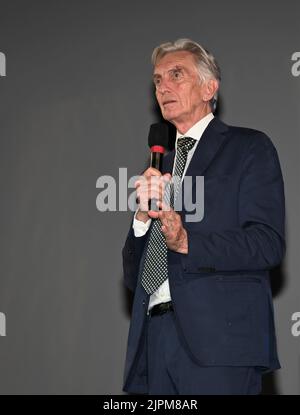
pixel 197 129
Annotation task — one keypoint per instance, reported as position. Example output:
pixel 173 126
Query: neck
pixel 183 126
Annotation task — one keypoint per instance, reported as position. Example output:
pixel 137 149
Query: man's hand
pixel 172 228
pixel 151 185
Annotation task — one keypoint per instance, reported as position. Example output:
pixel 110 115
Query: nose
pixel 163 86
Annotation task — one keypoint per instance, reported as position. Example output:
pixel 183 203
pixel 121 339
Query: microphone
pixel 158 140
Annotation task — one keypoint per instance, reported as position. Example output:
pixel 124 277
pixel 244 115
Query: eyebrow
pixel 175 68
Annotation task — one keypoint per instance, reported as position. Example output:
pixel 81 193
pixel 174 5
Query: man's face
pixel 179 91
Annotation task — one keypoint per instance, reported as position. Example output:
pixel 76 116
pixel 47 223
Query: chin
pixel 170 115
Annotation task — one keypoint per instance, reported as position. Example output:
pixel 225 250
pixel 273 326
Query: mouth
pixel 169 101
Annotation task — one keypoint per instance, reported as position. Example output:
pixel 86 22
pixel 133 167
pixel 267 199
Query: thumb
pixel 167 177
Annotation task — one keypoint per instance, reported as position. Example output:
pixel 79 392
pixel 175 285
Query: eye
pixel 156 81
pixel 177 74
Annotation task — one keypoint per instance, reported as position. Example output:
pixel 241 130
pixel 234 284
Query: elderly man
pixel 202 319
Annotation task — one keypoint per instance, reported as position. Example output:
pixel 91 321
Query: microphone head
pixel 158 135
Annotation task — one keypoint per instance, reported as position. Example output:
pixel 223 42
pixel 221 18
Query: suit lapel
pixel 210 143
pixel 208 146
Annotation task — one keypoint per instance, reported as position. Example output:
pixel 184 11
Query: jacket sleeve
pixel 132 254
pixel 259 242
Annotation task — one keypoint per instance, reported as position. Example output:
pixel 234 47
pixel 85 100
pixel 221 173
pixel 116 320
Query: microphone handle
pixel 156 162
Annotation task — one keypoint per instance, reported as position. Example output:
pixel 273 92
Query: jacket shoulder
pixel 251 137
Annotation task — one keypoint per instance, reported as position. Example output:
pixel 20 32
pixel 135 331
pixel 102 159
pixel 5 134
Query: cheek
pixel 158 98
pixel 194 100
pixel 197 95
pixel 187 101
pixel 187 96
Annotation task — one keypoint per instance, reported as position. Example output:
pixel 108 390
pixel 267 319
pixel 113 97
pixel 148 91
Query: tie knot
pixel 185 143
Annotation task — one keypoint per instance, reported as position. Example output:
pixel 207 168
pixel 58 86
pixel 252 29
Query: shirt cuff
pixel 140 228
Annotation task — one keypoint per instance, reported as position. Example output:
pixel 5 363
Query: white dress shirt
pixel 162 294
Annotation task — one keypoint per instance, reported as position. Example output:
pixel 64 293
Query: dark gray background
pixel 76 104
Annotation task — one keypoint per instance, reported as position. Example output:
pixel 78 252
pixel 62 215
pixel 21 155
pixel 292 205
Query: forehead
pixel 172 59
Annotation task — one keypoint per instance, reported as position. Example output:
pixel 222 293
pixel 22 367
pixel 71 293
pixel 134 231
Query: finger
pixel 153 214
pixel 144 194
pixel 167 232
pixel 137 183
pixel 164 230
pixel 141 180
pixel 169 224
pixel 151 171
pixel 161 214
pixel 164 206
pixel 167 177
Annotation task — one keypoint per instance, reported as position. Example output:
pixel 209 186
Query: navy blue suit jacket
pixel 220 289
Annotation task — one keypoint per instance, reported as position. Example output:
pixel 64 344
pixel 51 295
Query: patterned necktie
pixel 155 270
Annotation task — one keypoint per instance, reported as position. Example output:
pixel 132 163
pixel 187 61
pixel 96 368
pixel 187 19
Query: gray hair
pixel 207 65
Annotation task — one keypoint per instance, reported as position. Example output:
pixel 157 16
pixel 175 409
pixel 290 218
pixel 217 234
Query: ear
pixel 210 88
